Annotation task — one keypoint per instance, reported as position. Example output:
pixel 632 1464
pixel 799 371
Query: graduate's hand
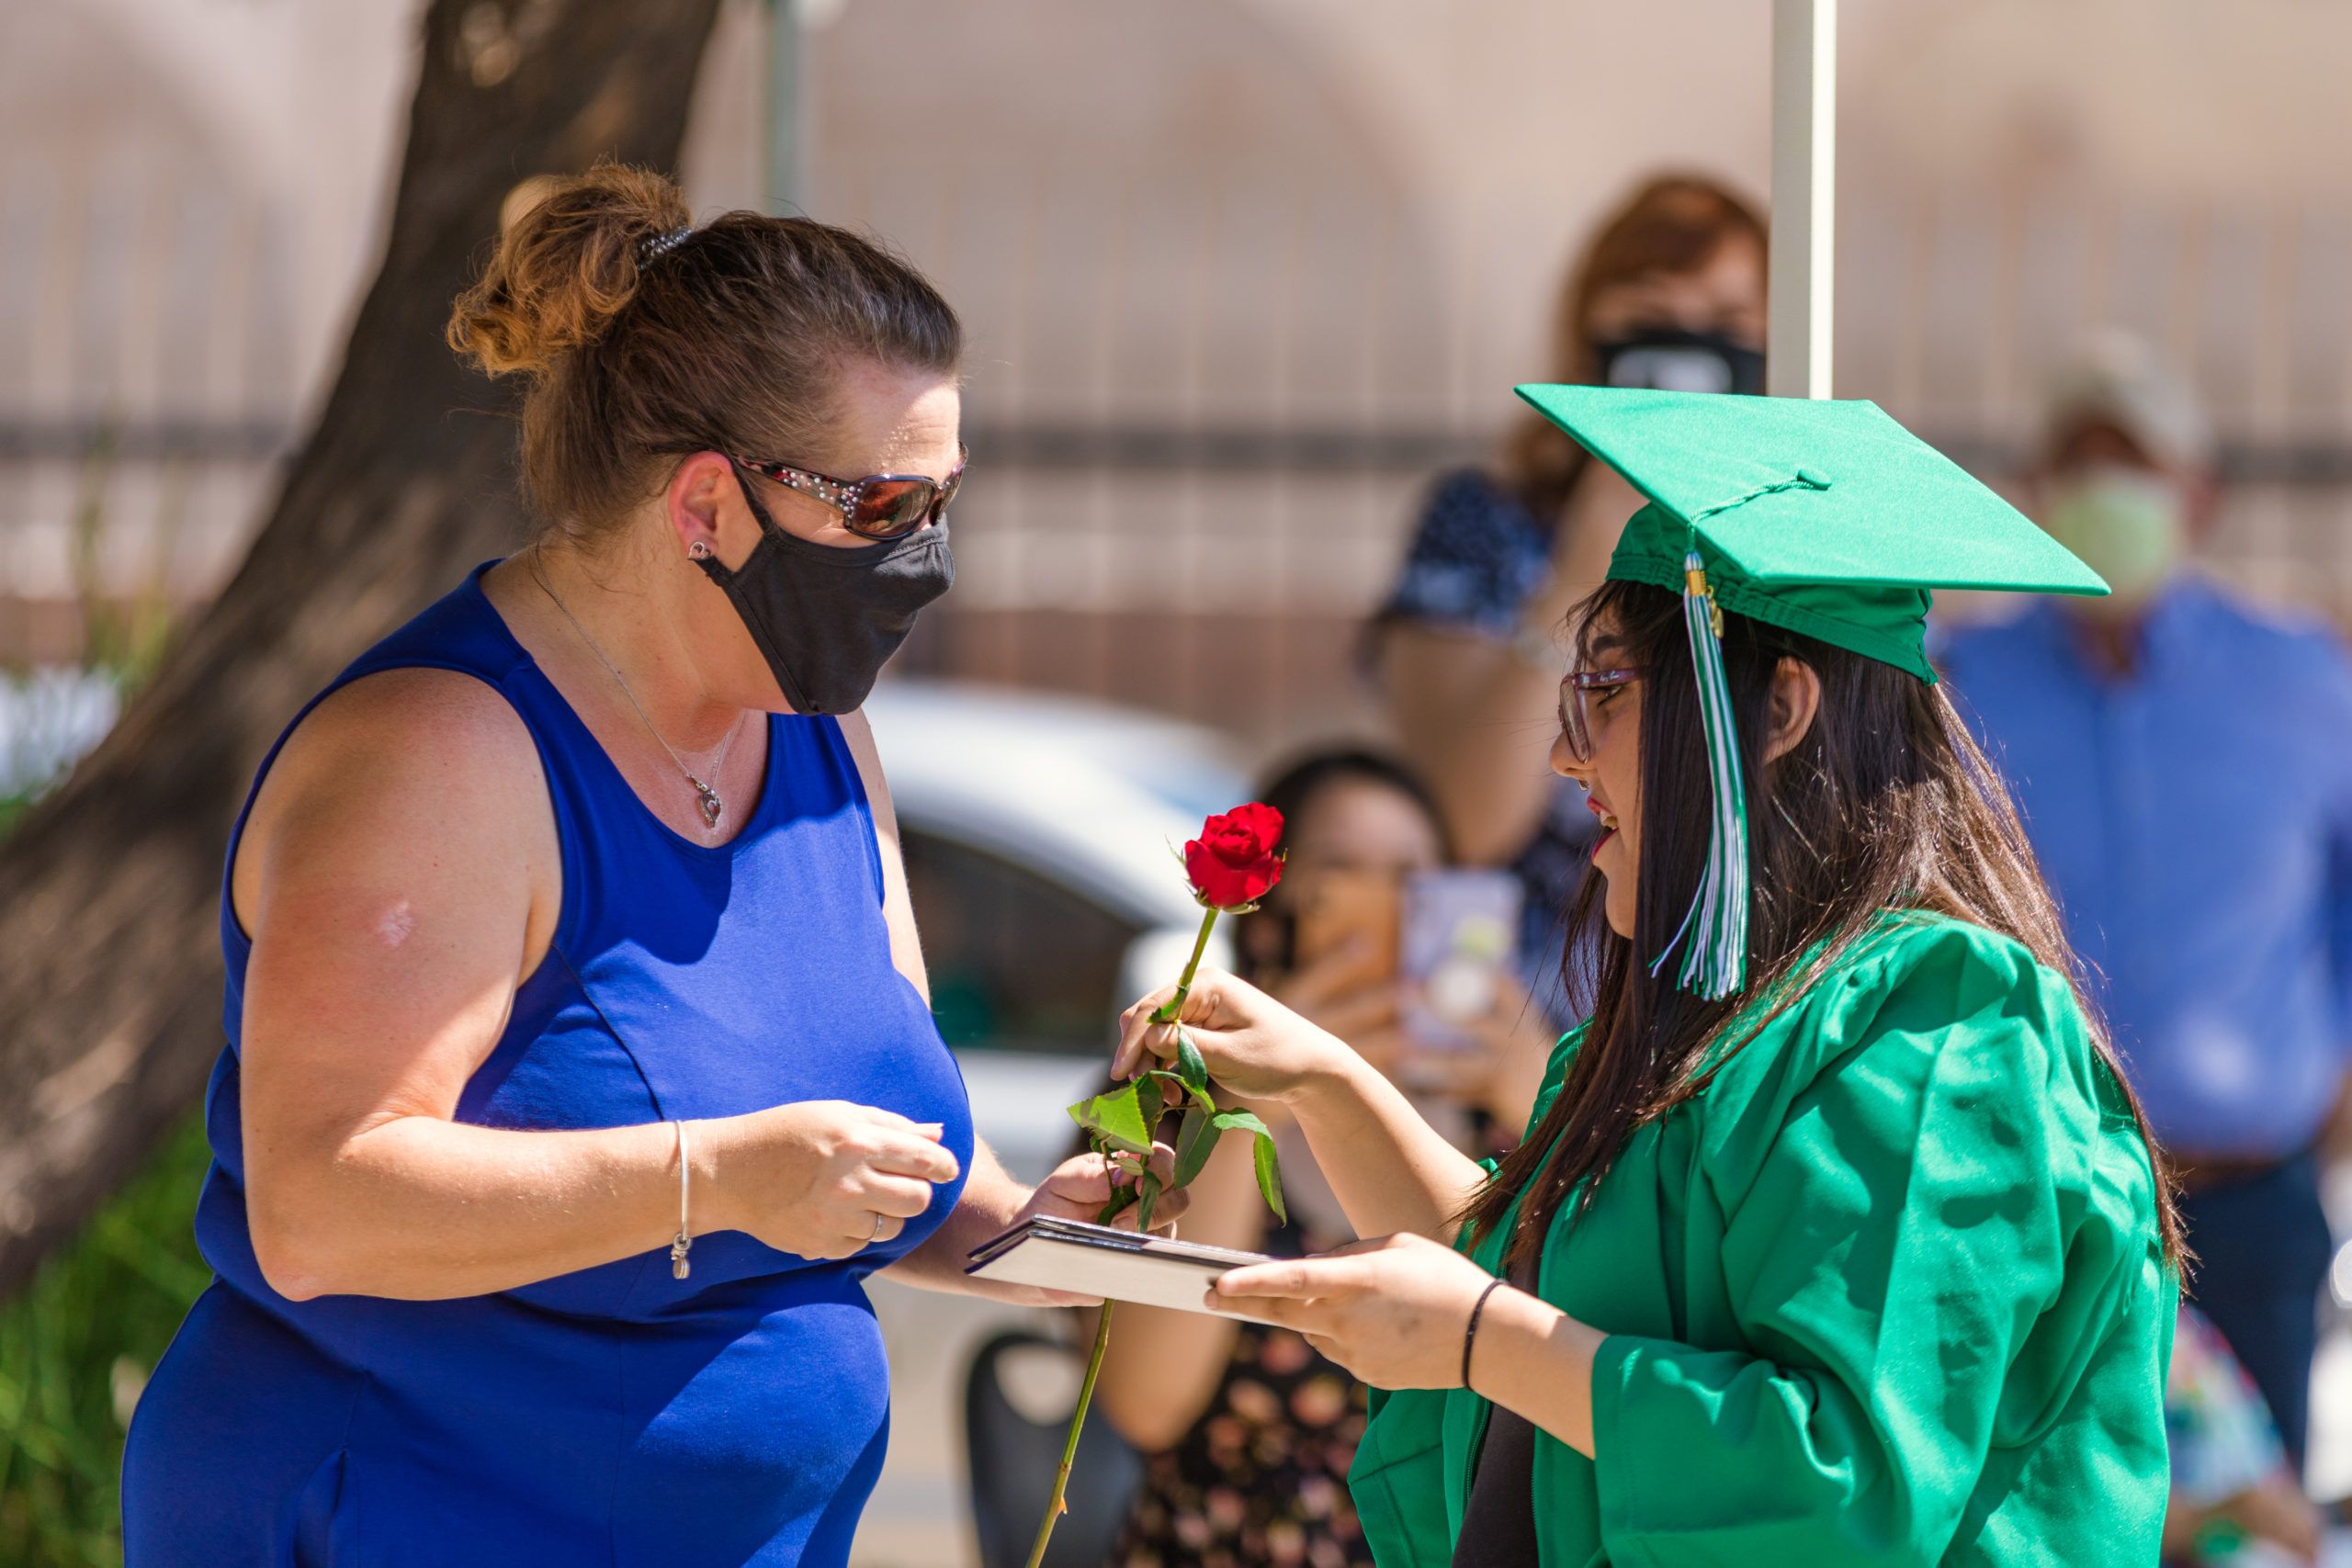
pixel 1392 1312
pixel 1253 1045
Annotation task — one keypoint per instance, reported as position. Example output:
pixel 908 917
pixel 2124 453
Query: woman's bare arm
pixel 1473 718
pixel 398 877
pixel 399 880
pixel 897 909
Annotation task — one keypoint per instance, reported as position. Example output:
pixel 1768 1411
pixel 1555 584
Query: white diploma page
pixel 1116 1265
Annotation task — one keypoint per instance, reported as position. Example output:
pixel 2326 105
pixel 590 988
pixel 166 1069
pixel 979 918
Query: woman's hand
pixel 1392 1311
pixel 1340 994
pixel 1500 1068
pixel 1253 1045
pixel 822 1179
pixel 1077 1187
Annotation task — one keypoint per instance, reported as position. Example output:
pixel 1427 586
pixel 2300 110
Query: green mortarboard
pixel 1826 517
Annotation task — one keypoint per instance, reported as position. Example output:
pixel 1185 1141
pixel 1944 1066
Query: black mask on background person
pixel 826 620
pixel 1674 359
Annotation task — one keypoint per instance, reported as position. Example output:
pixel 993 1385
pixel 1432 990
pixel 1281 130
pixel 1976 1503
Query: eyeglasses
pixel 879 506
pixel 1579 698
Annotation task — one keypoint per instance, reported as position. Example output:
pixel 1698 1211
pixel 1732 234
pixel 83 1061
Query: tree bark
pixel 111 971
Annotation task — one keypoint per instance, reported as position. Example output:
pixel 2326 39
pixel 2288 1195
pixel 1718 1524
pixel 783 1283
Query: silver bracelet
pixel 679 1247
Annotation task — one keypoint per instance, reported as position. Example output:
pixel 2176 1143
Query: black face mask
pixel 1672 359
pixel 827 620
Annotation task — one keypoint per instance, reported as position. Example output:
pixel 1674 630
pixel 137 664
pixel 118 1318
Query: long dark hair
pixel 1885 802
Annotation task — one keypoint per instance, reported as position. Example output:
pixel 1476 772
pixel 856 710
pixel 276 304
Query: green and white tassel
pixel 1715 964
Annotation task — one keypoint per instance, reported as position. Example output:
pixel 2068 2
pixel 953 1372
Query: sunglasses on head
pixel 879 506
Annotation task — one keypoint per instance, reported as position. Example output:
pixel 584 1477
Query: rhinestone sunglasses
pixel 879 506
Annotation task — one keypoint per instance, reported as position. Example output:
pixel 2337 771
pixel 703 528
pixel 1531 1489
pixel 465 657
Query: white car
pixel 1040 836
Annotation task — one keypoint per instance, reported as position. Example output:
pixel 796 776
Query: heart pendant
pixel 712 808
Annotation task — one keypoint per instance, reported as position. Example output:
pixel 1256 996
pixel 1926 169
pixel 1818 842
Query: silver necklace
pixel 707 797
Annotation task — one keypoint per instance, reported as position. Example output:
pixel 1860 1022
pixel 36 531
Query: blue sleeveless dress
pixel 617 1415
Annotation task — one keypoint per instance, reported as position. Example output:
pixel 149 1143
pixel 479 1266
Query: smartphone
pixel 1335 909
pixel 1454 947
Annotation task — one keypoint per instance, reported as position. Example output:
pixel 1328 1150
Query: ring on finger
pixel 875 1234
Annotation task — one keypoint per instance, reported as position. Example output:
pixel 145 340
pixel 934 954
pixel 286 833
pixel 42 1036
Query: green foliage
pixel 75 1346
pixel 78 1343
pixel 1191 1065
pixel 1269 1181
pixel 1122 1123
pixel 1115 1121
pixel 1195 1139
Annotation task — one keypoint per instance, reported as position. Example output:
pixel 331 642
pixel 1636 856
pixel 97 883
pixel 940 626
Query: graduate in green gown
pixel 1835 1237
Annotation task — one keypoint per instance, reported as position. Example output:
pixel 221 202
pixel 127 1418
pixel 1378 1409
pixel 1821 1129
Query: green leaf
pixel 1191 1065
pixel 1270 1179
pixel 1241 1122
pixel 1150 1101
pixel 1149 1184
pixel 1116 1119
pixel 1195 1139
pixel 1122 1199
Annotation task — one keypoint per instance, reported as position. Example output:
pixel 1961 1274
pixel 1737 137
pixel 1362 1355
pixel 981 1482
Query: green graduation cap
pixel 1826 517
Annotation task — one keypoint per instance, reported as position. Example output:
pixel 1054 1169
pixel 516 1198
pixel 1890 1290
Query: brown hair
pixel 1675 223
pixel 731 339
pixel 1885 804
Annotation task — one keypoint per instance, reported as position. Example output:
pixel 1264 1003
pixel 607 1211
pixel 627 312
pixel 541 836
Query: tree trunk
pixel 109 890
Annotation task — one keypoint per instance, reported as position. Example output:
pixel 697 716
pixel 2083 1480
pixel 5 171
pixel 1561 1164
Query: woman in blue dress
pixel 579 1066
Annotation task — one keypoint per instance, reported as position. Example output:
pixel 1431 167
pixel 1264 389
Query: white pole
pixel 1804 192
pixel 785 149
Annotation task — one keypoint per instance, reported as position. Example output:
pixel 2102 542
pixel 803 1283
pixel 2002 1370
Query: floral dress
pixel 1263 1476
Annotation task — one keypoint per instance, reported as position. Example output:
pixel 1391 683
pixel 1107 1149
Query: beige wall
pixel 1305 218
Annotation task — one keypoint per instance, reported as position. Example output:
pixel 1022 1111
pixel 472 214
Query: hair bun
pixel 566 264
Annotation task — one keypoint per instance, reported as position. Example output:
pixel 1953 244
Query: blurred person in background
pixel 2184 764
pixel 1247 1430
pixel 1670 293
pixel 2232 1487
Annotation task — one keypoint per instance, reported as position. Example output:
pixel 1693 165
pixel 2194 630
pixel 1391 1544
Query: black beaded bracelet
pixel 1470 1334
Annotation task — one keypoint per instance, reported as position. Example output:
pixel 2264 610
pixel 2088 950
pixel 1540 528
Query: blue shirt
pixel 2194 819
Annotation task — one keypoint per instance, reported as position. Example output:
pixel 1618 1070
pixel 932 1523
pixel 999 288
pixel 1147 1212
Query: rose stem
pixel 1054 1505
pixel 1174 1005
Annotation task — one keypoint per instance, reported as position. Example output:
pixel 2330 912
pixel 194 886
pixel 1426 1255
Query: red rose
pixel 1233 863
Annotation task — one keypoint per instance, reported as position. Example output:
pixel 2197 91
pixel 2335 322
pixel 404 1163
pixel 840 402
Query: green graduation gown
pixel 1889 1290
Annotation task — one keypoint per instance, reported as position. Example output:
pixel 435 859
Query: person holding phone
pixel 1838 1238
pixel 1669 292
pixel 1248 1432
